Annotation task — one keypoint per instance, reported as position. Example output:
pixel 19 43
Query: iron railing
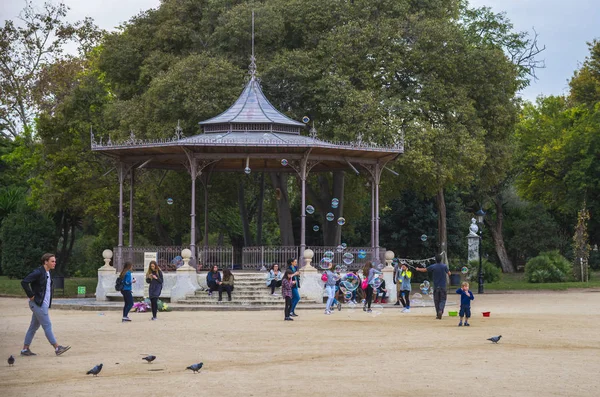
pixel 360 256
pixel 262 257
pixel 168 257
pixel 221 256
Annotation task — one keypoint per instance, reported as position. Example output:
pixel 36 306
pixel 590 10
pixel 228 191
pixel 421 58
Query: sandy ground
pixel 550 347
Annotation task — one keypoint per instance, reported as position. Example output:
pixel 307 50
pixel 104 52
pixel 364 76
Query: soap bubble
pixel 310 209
pixel 377 310
pixel 423 237
pixel 316 228
pixel 341 221
pixel 329 216
pixel 284 162
pixel 329 255
pixel 341 268
pixel 348 258
pixel 334 203
pixel 362 254
pixel 426 284
pixel 464 270
pixel 247 170
pixel 379 266
pixel 376 282
pixel 340 248
pixel 344 245
pixel 325 264
pixel 350 281
pixel 416 295
pixel 305 119
pixel 170 201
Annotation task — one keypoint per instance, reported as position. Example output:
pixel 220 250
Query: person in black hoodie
pixel 38 287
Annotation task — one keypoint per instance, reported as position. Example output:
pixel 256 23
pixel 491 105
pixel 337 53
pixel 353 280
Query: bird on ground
pixel 495 339
pixel 195 367
pixel 95 371
pixel 149 358
pixel 11 361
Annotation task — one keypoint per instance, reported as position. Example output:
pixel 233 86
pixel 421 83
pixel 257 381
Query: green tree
pixel 26 235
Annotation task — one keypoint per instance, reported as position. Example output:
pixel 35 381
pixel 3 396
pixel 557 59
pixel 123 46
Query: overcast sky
pixel 563 27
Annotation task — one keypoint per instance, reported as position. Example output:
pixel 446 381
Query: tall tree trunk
pixel 286 231
pixel 244 215
pixel 442 232
pixel 496 232
pixel 338 192
pixel 259 215
pixel 332 232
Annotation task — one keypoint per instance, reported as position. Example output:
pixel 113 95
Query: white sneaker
pixel 327 312
pixel 275 294
pixel 406 310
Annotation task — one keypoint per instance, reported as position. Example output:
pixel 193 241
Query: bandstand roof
pixel 252 131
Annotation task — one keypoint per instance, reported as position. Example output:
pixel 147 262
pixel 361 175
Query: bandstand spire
pixel 252 67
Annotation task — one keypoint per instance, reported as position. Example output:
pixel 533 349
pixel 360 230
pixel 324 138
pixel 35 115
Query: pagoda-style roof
pixel 252 112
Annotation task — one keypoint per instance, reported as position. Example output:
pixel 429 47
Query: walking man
pixel 438 271
pixel 38 287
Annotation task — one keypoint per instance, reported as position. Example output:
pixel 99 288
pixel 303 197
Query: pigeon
pixel 195 367
pixel 495 339
pixel 95 371
pixel 11 361
pixel 149 358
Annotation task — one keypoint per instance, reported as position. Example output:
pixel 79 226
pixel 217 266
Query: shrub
pixel 491 273
pixel 26 235
pixel 548 267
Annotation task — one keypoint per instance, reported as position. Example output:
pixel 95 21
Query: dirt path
pixel 550 347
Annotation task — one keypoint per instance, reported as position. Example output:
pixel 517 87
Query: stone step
pixel 215 296
pixel 232 303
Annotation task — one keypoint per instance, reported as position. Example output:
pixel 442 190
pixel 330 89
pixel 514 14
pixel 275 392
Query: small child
pixel 466 297
pixel 286 291
pixel 403 282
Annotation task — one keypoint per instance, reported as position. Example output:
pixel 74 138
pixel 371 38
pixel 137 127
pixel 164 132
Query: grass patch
pixel 517 281
pixel 12 287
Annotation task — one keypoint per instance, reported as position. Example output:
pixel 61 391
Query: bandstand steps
pixel 250 290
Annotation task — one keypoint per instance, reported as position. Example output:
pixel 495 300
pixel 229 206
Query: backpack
pixel 119 284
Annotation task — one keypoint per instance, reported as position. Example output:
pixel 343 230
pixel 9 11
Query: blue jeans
pixel 330 296
pixel 39 317
pixel 295 299
pixel 128 298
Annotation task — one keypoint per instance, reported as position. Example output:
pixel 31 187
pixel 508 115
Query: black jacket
pixel 34 285
pixel 155 285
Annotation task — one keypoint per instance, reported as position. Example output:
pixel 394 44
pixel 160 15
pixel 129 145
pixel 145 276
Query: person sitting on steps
pixel 274 278
pixel 226 285
pixel 213 280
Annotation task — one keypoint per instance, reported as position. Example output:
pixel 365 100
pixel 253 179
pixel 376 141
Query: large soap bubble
pixel 310 209
pixel 325 263
pixel 335 203
pixel 170 201
pixel 247 170
pixel 329 255
pixel 362 254
pixel 340 248
pixel 316 228
pixel 350 281
pixel 423 237
pixel 348 258
pixel 341 221
pixel 330 217
pixel 284 162
pixel 464 270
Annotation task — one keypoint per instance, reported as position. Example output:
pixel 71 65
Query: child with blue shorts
pixel 466 297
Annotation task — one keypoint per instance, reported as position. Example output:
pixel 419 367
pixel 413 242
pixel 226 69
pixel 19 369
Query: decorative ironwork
pixel 209 256
pixel 263 257
pixel 313 131
pixel 168 257
pixel 178 131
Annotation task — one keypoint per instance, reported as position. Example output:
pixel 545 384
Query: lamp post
pixel 480 217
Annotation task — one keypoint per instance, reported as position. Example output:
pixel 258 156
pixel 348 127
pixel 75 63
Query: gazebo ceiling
pixel 252 131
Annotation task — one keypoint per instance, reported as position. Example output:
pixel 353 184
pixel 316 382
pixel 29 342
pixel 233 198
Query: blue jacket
pixel 210 277
pixel 127 282
pixel 465 297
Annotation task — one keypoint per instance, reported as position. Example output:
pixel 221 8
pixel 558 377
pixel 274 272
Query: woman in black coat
pixel 154 277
